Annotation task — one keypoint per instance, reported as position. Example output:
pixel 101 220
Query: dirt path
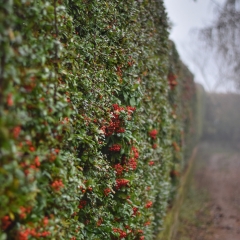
pixel 211 208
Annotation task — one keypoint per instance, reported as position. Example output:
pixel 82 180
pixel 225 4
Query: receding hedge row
pixel 182 99
pixel 88 132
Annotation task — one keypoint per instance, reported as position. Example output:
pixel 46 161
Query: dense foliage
pixel 182 99
pixel 87 127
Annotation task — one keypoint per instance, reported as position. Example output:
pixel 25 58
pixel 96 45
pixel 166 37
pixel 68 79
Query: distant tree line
pixel 222 117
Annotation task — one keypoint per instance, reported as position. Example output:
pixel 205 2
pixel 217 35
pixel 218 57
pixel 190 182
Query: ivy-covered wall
pixel 88 130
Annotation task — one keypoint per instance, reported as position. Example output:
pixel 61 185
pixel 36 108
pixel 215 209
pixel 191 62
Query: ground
pixel 211 204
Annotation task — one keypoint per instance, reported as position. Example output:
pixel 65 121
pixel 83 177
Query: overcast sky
pixel 187 15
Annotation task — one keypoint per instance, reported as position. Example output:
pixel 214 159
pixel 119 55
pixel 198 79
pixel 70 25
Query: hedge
pixel 88 132
pixel 185 123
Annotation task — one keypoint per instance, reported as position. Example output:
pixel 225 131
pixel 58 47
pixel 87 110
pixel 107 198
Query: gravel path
pixel 222 182
pixel 216 173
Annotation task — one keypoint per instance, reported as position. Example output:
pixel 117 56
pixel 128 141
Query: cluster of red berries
pixel 172 80
pixel 154 146
pixel 30 146
pixel 83 190
pixel 65 120
pixel 120 130
pixel 56 150
pixel 116 124
pixel 135 152
pixel 132 163
pixel 128 227
pixel 53 155
pixel 131 61
pixel 99 222
pixel 140 231
pixel 153 134
pixel 121 232
pixel 147 223
pixel 115 148
pixel 33 166
pixel 37 162
pixel 121 183
pixel 45 221
pixel 9 100
pixel 118 169
pixel 5 222
pixel 82 204
pixel 24 211
pixel 130 110
pixel 16 131
pixel 148 204
pixel 119 71
pixel 25 234
pixel 57 185
pixel 107 191
pixel 135 211
pixel 151 163
pixel 116 107
pixel 112 127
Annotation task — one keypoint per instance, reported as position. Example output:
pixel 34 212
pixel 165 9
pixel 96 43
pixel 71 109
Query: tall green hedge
pixel 183 101
pixel 86 127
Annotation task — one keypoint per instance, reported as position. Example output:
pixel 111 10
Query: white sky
pixel 187 15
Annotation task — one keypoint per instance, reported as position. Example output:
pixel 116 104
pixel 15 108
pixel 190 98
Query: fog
pixel 222 118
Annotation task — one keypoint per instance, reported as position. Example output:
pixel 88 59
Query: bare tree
pixel 222 37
